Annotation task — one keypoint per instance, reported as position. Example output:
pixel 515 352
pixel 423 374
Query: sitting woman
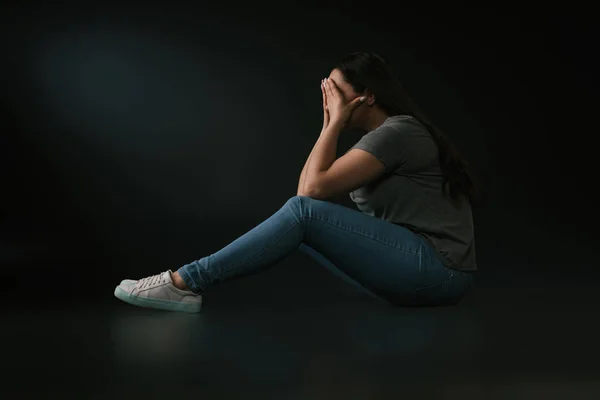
pixel 410 242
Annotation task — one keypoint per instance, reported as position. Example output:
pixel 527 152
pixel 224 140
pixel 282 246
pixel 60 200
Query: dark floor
pixel 296 332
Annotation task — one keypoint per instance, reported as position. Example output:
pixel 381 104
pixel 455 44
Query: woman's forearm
pixel 303 173
pixel 321 157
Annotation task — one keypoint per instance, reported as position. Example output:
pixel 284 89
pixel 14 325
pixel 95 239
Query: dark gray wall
pixel 135 139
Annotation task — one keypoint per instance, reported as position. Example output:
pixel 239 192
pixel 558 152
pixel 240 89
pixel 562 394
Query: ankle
pixel 178 281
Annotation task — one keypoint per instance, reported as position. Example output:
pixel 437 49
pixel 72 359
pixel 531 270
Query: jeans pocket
pixel 442 291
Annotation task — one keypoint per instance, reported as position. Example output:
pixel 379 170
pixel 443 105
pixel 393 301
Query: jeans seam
pixel 437 284
pixel 317 219
pixel 360 233
pixel 261 253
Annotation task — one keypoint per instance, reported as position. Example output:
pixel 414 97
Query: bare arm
pixel 302 180
pixel 323 176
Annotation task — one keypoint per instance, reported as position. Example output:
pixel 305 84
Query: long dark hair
pixel 368 70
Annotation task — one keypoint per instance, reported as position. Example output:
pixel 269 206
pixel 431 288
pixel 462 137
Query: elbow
pixel 316 188
pixel 308 191
pixel 313 192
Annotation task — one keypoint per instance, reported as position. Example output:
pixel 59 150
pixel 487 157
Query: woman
pixel 412 241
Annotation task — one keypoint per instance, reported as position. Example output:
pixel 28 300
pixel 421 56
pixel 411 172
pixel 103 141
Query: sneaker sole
pixel 155 303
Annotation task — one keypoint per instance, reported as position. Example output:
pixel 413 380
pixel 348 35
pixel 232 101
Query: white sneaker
pixel 158 291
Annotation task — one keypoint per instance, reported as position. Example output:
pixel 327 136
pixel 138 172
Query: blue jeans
pixel 385 260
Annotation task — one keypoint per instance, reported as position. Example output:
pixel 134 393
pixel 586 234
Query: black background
pixel 137 138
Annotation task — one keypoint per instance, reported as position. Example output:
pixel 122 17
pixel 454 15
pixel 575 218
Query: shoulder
pixel 398 129
pixel 405 124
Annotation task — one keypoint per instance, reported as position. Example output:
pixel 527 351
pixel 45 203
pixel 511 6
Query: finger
pixel 357 101
pixel 328 87
pixel 333 87
pixel 324 94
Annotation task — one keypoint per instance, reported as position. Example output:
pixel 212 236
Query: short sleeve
pixel 387 145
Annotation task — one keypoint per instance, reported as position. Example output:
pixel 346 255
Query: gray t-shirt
pixel 410 192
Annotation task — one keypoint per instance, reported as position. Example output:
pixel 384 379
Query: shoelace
pixel 150 281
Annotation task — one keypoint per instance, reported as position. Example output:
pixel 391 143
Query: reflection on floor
pixel 295 333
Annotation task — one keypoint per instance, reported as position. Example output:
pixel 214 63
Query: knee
pixel 298 204
pixel 294 200
pixel 298 199
pixel 301 200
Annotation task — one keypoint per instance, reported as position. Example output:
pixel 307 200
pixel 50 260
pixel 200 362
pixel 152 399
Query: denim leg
pixel 321 259
pixel 258 249
pixel 387 260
